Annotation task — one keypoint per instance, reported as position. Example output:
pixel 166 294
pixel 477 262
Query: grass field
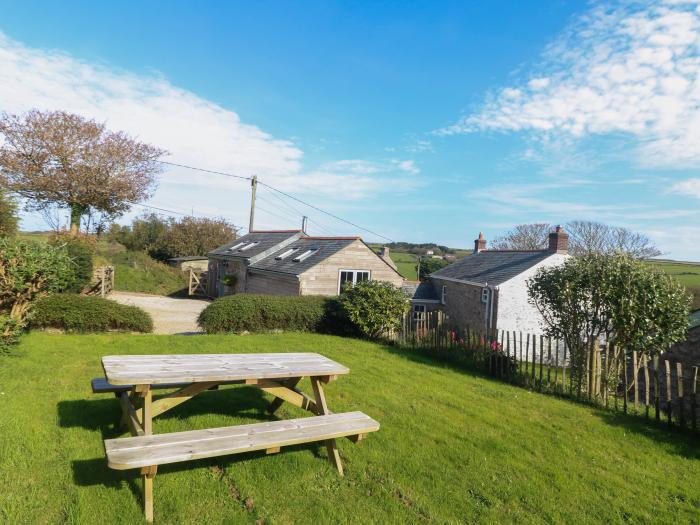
pixel 454 447
pixel 406 264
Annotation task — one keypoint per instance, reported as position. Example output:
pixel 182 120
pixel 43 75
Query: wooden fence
pixel 657 387
pixel 197 282
pixel 102 281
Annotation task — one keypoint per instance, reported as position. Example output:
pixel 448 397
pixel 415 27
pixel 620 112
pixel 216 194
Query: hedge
pixel 263 313
pixel 82 313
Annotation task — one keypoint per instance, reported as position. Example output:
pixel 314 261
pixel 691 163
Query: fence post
pixel 534 358
pixel 694 400
pixel 541 358
pixel 657 387
pixel 646 386
pixel 623 354
pixel 669 407
pixel 606 374
pixel 563 372
pixel 549 363
pixel 634 381
pixel 681 399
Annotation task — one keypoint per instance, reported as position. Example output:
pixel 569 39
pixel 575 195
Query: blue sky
pixel 425 121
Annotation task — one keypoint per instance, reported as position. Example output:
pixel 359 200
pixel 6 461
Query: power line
pixel 159 209
pixel 326 212
pixel 281 193
pixel 206 171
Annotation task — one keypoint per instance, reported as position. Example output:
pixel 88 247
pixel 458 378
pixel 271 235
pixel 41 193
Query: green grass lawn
pixel 454 447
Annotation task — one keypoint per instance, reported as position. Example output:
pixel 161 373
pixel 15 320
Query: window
pixel 249 246
pixel 305 255
pixel 418 312
pixel 351 278
pixel 286 254
pixel 235 247
pixel 443 296
pixel 485 295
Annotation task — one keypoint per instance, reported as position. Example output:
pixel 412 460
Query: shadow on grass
pixel 683 442
pixel 104 414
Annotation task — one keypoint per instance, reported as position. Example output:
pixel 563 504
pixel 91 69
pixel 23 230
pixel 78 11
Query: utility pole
pixel 304 220
pixel 254 187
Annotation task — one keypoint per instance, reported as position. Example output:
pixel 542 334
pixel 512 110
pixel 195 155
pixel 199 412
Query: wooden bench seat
pixel 160 449
pixel 101 386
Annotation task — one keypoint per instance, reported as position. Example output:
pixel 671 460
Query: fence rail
pixel 633 382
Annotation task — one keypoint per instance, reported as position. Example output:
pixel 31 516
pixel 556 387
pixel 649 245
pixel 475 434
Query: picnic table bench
pixel 132 378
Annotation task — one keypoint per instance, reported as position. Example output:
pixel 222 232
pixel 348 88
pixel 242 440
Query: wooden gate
pixel 102 281
pixel 197 283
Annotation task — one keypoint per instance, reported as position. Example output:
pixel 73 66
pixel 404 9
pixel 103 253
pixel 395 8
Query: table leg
pixel 148 473
pixel 322 409
pixel 288 390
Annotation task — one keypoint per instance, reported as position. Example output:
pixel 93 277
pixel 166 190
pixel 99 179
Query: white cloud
pixel 629 69
pixel 194 130
pixel 690 187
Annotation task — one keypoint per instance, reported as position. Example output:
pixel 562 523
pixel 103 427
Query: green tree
pixel 376 308
pixel 428 265
pixel 8 215
pixel 633 305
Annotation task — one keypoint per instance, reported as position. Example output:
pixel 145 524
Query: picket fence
pixel 658 387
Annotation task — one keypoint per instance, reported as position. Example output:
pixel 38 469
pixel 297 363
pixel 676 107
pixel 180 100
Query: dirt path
pixel 170 315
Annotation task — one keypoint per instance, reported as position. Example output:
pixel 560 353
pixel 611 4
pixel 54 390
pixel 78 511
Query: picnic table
pixel 133 378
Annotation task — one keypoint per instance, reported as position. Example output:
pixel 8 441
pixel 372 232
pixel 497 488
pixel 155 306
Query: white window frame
pixel 354 275
pixel 485 294
pixel 419 311
pixel 443 294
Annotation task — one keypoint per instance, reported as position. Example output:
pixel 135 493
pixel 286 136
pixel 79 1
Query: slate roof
pixel 492 267
pixel 324 246
pixel 419 291
pixel 265 239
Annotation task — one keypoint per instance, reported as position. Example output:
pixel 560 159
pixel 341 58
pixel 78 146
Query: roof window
pixel 235 247
pixel 286 254
pixel 248 246
pixel 305 255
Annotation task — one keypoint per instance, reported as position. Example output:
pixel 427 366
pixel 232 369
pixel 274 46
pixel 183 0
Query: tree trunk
pixel 76 213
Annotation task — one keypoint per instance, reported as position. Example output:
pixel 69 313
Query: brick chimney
pixel 559 241
pixel 480 243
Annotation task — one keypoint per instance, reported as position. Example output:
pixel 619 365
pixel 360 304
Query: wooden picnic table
pixel 134 377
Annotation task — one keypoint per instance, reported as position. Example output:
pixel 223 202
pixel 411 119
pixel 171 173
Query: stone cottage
pixel 289 262
pixel 487 291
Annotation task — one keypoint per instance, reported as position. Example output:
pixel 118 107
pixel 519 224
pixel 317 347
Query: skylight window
pixel 305 255
pixel 232 248
pixel 248 246
pixel 286 254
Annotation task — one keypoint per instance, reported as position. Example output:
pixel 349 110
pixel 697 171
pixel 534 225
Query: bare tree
pixel 60 158
pixel 584 237
pixel 524 237
pixel 595 237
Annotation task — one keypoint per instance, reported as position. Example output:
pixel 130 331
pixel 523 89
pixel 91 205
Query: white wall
pixel 515 313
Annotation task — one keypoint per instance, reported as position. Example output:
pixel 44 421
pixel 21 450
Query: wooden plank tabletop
pixel 195 368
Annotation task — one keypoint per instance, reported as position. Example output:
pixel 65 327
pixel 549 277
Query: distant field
pixel 406 263
pixel 687 274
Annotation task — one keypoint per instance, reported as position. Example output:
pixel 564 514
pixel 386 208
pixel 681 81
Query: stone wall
pixel 463 305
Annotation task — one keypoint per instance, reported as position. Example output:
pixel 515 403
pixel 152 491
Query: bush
pixel 8 215
pixel 261 313
pixel 28 271
pixel 81 251
pixel 82 313
pixel 375 308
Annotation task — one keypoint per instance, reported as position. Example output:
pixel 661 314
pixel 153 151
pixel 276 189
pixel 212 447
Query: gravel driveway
pixel 170 315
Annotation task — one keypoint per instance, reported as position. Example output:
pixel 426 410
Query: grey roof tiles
pixel 492 267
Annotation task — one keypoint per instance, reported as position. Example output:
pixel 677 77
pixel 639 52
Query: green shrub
pixel 261 313
pixel 28 271
pixel 81 251
pixel 83 313
pixel 375 308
